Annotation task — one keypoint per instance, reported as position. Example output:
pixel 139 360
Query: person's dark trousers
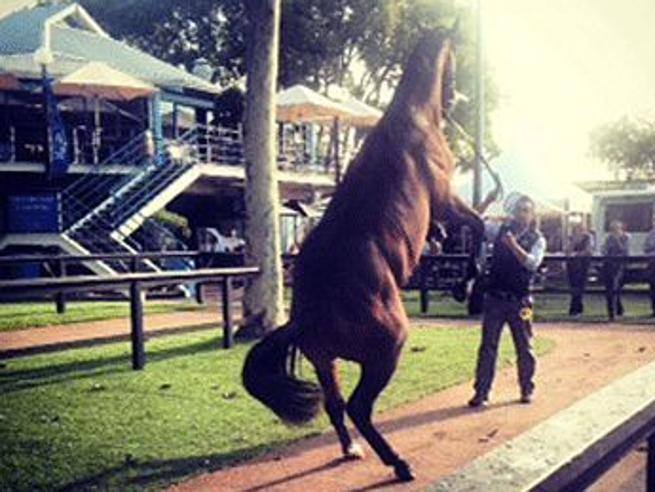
pixel 613 280
pixel 651 281
pixel 577 270
pixel 497 312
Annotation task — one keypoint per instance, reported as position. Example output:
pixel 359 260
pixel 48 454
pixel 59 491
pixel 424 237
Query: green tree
pixel 627 146
pixel 182 33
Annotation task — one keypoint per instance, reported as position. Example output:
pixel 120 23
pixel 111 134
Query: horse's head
pixel 428 82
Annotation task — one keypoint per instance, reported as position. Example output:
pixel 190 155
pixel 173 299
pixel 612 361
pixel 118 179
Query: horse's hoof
pixel 354 452
pixel 403 471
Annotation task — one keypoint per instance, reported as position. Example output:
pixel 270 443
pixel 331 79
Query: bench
pixel 137 283
pixel 572 449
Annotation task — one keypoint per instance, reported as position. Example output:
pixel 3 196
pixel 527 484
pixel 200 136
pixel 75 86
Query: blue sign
pixel 37 212
pixel 59 160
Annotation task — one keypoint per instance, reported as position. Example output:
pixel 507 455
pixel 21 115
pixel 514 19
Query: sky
pixel 563 67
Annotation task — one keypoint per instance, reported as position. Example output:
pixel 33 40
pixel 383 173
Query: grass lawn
pixel 82 419
pixel 550 307
pixel 18 316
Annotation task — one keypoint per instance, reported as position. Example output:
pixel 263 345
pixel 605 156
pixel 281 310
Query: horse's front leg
pixel 458 213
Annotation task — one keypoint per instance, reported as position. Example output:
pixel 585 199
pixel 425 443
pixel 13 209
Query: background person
pixel 580 248
pixel 649 249
pixel 616 244
pixel 518 250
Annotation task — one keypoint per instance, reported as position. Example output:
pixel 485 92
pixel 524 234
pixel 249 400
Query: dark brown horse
pixel 347 277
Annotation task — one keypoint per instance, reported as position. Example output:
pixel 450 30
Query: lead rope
pixel 469 139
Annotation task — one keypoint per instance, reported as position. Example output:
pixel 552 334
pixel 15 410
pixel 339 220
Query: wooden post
pixel 200 298
pixel 425 293
pixel 228 336
pixel 650 466
pixel 134 264
pixel 60 297
pixel 136 316
pixel 337 158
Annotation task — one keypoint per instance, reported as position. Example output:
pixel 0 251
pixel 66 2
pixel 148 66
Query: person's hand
pixel 510 240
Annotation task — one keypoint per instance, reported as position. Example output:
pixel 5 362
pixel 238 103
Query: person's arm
pixel 491 197
pixel 529 259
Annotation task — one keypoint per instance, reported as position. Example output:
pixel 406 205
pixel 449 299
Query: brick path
pixel 439 434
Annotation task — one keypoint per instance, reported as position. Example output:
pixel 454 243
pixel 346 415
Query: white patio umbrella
pixel 299 103
pixel 364 116
pixel 99 80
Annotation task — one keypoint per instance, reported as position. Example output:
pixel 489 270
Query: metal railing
pixel 138 283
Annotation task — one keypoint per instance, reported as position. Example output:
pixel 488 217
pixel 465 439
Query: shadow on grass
pixel 159 473
pixel 21 379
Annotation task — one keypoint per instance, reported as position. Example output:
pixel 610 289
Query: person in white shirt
pixel 518 250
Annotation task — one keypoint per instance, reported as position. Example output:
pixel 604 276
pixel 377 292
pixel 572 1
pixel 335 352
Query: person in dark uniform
pixel 580 248
pixel 649 249
pixel 616 244
pixel 518 250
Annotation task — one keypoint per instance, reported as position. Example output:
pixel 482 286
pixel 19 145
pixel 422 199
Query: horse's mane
pixel 388 190
pixel 414 115
pixel 419 94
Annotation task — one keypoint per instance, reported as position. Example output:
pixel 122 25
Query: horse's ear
pixel 454 32
pixel 446 77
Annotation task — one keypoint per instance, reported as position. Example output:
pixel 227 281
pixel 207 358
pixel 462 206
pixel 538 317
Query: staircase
pixel 101 211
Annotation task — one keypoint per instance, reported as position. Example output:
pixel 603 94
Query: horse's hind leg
pixel 335 406
pixel 376 374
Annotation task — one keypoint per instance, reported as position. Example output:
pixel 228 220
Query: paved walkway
pixel 49 338
pixel 439 434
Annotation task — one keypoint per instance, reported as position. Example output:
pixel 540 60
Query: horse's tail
pixel 268 377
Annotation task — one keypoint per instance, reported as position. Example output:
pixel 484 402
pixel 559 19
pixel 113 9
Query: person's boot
pixel 478 401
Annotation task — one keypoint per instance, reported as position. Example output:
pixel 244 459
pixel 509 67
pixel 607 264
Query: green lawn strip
pixel 550 307
pixel 82 419
pixel 21 316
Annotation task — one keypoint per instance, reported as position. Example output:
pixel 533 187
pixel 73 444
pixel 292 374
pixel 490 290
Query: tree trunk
pixel 263 302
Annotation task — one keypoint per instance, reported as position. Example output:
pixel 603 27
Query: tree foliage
pixel 628 146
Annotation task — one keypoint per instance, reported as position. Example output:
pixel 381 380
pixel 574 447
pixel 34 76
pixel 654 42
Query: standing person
pixel 649 249
pixel 580 248
pixel 518 250
pixel 616 244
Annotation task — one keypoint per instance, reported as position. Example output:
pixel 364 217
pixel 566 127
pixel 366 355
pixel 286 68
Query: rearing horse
pixel 347 277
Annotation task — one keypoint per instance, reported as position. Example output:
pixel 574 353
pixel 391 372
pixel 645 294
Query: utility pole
pixel 479 89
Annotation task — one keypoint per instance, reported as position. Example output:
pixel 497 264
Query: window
pixel 637 217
